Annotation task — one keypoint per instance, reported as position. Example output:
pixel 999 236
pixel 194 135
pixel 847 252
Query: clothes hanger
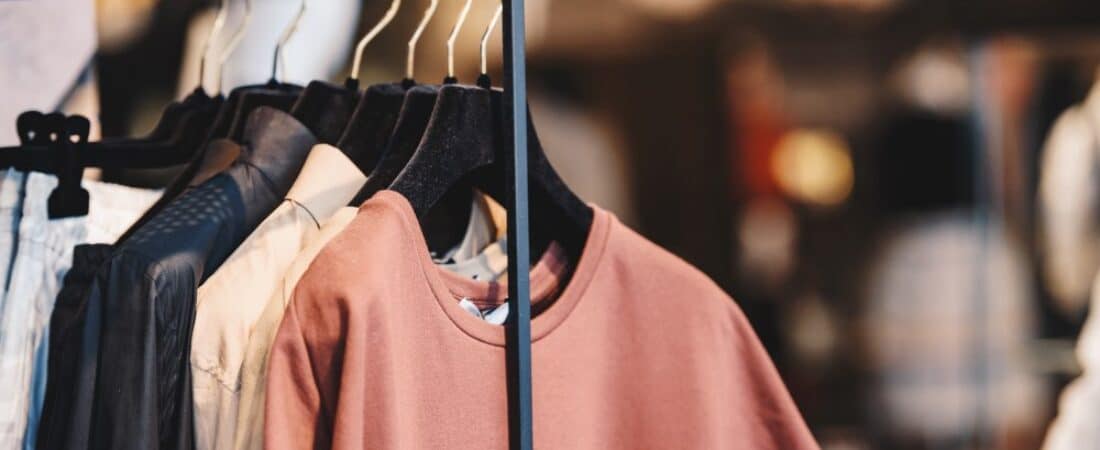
pixel 192 116
pixel 174 114
pixel 357 61
pixel 60 138
pixel 410 59
pixel 210 157
pixel 69 198
pixel 242 100
pixel 464 147
pixel 440 226
pixel 60 145
pixel 198 100
pixel 29 125
pixel 365 137
pixel 323 107
pixel 283 96
pixel 414 110
pixel 202 106
pixel 174 139
pixel 483 79
pixel 38 136
pixel 452 38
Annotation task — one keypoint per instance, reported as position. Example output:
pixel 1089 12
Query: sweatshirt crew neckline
pixel 546 276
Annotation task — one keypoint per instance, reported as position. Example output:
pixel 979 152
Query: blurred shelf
pixel 592 32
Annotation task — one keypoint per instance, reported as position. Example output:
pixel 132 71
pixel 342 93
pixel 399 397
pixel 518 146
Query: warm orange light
pixel 814 167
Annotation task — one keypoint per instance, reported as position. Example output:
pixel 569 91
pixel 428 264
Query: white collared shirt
pixel 1076 427
pixel 1068 203
pixel 230 302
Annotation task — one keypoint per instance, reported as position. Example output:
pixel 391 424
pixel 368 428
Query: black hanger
pixel 274 94
pixel 193 118
pixel 39 134
pixel 325 109
pixel 31 126
pixel 412 120
pixel 57 141
pixel 463 147
pixel 231 107
pixel 69 199
pixel 58 145
pixel 368 131
pixel 171 120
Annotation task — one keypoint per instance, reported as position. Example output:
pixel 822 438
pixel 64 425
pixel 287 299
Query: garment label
pixel 495 316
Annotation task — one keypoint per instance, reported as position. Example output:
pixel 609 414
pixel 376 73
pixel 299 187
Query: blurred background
pixel 901 194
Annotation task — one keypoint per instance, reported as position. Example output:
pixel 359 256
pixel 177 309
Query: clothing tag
pixel 495 316
pixel 470 307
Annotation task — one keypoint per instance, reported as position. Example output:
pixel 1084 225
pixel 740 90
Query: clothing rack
pixel 518 328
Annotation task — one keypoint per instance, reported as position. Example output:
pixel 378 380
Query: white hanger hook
pixel 409 63
pixel 219 23
pixel 279 61
pixel 454 36
pixel 234 42
pixel 390 13
pixel 485 38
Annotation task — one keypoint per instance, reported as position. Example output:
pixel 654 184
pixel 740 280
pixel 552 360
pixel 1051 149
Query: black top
pixel 68 316
pixel 132 389
pixel 66 332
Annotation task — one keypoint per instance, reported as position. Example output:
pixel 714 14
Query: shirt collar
pixel 327 182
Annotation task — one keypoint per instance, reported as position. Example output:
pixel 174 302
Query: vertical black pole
pixel 519 260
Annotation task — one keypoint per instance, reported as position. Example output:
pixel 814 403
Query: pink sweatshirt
pixel 640 350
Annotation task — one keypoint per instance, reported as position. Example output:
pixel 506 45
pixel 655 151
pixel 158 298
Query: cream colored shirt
pixel 1069 204
pixel 475 257
pixel 231 300
pixel 1077 426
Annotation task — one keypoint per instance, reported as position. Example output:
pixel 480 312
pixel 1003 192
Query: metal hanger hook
pixel 390 13
pixel 234 42
pixel 219 23
pixel 409 63
pixel 454 36
pixel 279 60
pixel 485 39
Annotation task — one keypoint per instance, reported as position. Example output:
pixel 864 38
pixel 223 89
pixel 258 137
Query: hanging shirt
pixel 231 300
pixel 68 319
pixel 482 227
pixel 133 383
pixel 1069 204
pixel 11 210
pixel 1076 427
pixel 43 256
pixel 929 281
pixel 211 160
pixel 640 350
pixel 66 341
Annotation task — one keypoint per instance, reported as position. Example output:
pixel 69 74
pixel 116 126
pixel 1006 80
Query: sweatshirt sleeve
pixel 294 418
pixel 776 423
